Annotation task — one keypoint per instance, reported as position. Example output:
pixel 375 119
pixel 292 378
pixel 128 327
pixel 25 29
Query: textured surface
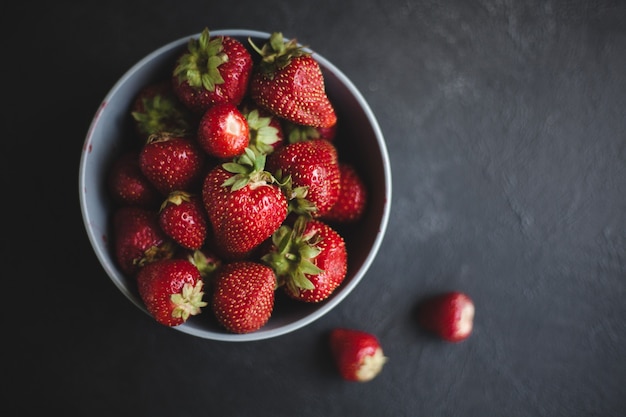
pixel 505 124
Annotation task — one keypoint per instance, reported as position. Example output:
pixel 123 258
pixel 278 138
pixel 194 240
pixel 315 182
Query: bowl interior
pixel 359 141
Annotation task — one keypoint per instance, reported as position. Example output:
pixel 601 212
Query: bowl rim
pixel 323 308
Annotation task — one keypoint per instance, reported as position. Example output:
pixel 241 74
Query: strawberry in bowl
pixel 240 149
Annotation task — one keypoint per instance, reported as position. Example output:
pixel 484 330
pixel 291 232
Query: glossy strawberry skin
pixel 235 70
pixel 172 163
pixel 352 200
pixel 295 92
pixel 138 239
pixel 332 260
pixel 223 131
pixel 312 164
pixel 162 285
pixel 358 355
pixel 182 218
pixel 128 186
pixel 449 315
pixel 244 294
pixel 242 219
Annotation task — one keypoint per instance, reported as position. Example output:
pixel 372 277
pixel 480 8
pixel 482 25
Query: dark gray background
pixel 506 127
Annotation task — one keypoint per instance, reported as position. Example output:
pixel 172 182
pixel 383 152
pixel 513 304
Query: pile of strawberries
pixel 234 185
pixel 233 189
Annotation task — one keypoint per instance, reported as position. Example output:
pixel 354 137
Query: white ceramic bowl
pixel 359 134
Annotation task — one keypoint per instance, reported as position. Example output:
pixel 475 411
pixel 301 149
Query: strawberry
pixel 182 218
pixel 138 239
pixel 171 290
pixel 128 186
pixel 450 315
pixel 213 70
pixel 156 109
pixel 310 259
pixel 243 299
pixel 172 163
pixel 312 166
pixel 289 82
pixel 358 355
pixel 243 204
pixel 352 200
pixel 223 131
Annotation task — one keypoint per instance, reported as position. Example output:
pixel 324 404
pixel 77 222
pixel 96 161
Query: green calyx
pixel 161 113
pixel 277 53
pixel 293 257
pixel 199 66
pixel 296 196
pixel 177 198
pixel 189 301
pixel 262 135
pixel 248 169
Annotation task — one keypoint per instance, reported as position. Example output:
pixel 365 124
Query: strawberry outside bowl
pixel 358 137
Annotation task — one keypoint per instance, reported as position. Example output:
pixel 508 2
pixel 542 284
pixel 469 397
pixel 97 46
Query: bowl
pixel 111 129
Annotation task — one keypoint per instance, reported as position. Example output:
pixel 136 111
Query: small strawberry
pixel 172 163
pixel 138 239
pixel 449 315
pixel 213 70
pixel 223 131
pixel 157 109
pixel 243 204
pixel 357 354
pixel 310 259
pixel 182 218
pixel 352 200
pixel 171 290
pixel 128 186
pixel 289 82
pixel 310 165
pixel 243 299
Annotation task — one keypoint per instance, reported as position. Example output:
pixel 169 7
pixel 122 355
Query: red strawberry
pixel 352 200
pixel 171 290
pixel 138 239
pixel 312 166
pixel 213 70
pixel 310 259
pixel 182 217
pixel 156 109
pixel 357 354
pixel 127 184
pixel 243 299
pixel 243 204
pixel 172 163
pixel 289 83
pixel 449 315
pixel 223 131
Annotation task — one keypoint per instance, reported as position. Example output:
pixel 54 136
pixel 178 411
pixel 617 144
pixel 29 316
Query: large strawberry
pixel 310 259
pixel 243 203
pixel 157 109
pixel 213 70
pixel 172 162
pixel 243 298
pixel 138 239
pixel 289 82
pixel 310 165
pixel 172 290
pixel 223 131
pixel 182 218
